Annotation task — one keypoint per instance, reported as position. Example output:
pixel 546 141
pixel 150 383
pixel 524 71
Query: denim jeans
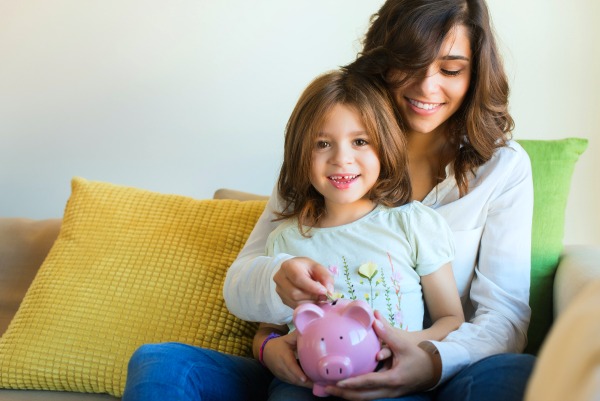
pixel 178 372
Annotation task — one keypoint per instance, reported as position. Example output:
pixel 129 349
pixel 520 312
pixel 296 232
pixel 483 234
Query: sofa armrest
pixel 578 265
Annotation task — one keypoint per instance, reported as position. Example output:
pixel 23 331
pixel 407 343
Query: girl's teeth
pixel 343 177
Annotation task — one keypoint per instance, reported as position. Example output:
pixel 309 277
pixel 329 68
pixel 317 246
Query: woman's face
pixel 428 103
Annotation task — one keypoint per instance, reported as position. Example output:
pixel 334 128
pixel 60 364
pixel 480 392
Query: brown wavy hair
pixel 371 99
pixel 406 36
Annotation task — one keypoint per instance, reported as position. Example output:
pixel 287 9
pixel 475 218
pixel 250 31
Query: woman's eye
pixel 450 73
pixel 360 142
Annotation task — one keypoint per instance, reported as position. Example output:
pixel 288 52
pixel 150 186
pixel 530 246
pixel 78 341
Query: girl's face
pixel 345 166
pixel 427 104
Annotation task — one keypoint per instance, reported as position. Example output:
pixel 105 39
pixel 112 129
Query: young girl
pixel 346 191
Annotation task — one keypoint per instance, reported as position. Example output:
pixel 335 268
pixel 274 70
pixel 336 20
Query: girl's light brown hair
pixel 369 97
pixel 406 36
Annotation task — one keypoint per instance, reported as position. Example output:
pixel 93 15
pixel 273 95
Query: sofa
pixel 126 266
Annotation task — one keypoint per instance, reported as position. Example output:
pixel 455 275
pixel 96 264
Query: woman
pixel 441 63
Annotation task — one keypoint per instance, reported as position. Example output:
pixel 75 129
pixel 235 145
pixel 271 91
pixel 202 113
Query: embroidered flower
pixel 399 317
pixel 335 295
pixel 334 270
pixel 368 270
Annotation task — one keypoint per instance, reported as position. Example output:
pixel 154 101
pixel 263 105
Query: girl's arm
pixel 443 303
pixel 278 354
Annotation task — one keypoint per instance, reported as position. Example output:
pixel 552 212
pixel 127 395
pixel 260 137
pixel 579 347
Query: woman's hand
pixel 408 369
pixel 302 280
pixel 280 359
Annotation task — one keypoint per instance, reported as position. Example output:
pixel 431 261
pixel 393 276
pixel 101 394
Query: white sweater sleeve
pixel 500 288
pixel 249 289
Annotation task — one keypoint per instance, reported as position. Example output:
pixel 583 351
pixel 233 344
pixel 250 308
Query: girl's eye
pixel 450 73
pixel 360 142
pixel 322 144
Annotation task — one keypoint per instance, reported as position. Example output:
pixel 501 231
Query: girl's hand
pixel 280 359
pixel 407 369
pixel 302 280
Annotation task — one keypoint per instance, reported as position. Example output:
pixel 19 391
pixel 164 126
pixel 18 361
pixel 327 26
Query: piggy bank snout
pixel 335 368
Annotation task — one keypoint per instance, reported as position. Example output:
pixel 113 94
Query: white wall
pixel 186 96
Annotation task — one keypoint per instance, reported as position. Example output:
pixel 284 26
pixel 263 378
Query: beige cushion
pixel 39 395
pixel 24 243
pixel 568 366
pixel 225 193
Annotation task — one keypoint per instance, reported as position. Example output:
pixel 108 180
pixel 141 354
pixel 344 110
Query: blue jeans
pixel 496 378
pixel 178 372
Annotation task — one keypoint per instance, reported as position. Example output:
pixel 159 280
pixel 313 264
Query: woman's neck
pixel 428 155
pixel 339 214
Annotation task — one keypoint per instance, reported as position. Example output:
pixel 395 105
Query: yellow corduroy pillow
pixel 129 267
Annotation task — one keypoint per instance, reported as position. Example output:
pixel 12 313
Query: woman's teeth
pixel 424 106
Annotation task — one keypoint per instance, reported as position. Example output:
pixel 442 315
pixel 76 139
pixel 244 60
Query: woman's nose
pixel 430 83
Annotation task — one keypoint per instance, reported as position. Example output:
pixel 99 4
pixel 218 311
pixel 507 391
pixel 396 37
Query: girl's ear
pixel 305 314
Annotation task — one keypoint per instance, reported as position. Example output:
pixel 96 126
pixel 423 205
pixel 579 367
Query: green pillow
pixel 552 163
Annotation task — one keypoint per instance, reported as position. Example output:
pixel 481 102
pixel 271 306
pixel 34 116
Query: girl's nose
pixel 343 155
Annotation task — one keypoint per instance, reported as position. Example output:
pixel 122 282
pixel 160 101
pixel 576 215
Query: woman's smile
pixel 420 107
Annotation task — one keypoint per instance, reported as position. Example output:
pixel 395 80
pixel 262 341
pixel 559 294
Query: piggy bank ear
pixel 359 311
pixel 305 314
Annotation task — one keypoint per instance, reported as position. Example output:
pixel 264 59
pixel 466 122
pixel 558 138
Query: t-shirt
pixel 378 258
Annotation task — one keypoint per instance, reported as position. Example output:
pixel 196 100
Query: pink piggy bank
pixel 335 341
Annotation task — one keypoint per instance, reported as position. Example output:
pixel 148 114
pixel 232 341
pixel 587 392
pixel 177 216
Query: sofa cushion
pixel 24 243
pixel 552 163
pixel 129 267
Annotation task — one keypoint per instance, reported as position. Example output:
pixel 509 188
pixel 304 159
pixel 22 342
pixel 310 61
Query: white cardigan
pixel 492 233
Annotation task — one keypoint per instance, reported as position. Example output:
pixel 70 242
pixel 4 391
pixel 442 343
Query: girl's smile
pixel 343 181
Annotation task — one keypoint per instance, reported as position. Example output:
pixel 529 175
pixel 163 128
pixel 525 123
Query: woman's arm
pixel 263 288
pixel 249 290
pixel 499 290
pixel 443 304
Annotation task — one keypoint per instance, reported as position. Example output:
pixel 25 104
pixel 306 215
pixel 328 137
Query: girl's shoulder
pixel 413 211
pixel 286 227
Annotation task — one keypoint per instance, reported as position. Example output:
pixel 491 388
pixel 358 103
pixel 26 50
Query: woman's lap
pixel 181 372
pixel 177 372
pixel 498 377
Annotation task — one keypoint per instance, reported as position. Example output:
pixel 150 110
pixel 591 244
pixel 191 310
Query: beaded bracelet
pixel 262 347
